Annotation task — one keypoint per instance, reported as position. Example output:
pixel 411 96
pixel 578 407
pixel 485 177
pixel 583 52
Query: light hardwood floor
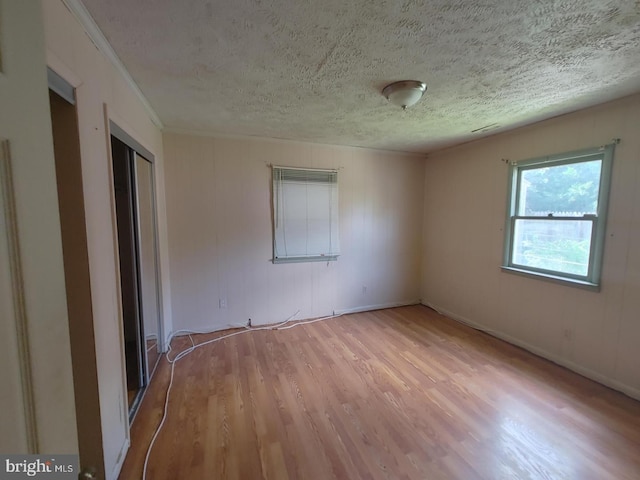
pixel 402 393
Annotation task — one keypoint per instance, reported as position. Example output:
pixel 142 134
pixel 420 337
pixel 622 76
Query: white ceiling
pixel 314 70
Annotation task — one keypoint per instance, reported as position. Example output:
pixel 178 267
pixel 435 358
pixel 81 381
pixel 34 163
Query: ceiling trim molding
pixel 77 8
pixel 237 136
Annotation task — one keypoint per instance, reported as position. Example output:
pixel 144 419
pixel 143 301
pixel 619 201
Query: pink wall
pixel 219 216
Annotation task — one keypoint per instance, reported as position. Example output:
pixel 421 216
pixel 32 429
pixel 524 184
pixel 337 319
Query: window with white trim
pixel 305 215
pixel 557 214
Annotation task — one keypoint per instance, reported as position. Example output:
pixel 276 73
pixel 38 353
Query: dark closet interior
pixel 135 214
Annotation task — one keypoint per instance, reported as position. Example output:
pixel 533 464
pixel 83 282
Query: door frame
pixel 71 206
pixel 113 128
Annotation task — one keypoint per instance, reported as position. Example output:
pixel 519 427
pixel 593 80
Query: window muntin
pixel 556 216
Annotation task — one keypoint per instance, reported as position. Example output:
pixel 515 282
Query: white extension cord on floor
pixel 194 346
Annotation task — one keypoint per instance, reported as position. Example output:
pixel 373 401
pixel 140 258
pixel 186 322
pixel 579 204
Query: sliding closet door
pixel 138 251
pixel 148 255
pixel 127 250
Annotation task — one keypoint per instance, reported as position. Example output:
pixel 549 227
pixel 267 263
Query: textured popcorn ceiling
pixel 313 70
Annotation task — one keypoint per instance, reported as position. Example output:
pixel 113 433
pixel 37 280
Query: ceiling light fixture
pixel 405 93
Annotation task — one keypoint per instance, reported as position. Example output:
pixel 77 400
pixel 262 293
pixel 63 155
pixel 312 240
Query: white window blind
pixel 305 215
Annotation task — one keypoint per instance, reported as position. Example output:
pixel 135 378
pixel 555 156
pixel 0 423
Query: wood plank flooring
pixel 402 393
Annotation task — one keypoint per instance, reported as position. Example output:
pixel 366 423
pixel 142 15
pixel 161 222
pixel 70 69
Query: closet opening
pixel 133 179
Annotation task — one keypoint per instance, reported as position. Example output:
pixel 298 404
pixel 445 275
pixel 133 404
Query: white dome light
pixel 405 93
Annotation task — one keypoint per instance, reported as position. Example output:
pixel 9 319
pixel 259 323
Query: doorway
pixel 137 246
pixel 68 167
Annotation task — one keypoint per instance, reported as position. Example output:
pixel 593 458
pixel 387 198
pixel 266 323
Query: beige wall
pixel 71 54
pixel 26 124
pixel 220 237
pixel 596 334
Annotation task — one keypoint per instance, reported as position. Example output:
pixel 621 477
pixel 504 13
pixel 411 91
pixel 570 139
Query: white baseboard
pixel 368 308
pixel 184 332
pixel 564 362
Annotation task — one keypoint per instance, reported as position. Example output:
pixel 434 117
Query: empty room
pixel 277 239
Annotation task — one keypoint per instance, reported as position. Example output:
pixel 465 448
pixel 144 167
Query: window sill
pixel 594 287
pixel 315 258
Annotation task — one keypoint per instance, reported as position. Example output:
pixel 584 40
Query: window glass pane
pixel 557 245
pixel 563 190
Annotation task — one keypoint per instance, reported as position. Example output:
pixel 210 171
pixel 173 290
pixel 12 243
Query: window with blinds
pixel 305 215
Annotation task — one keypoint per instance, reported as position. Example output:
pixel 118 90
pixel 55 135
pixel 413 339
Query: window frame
pixel 333 212
pixel 598 221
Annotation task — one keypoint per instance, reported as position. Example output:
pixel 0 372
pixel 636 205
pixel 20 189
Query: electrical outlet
pixel 568 334
pixel 364 289
pixel 222 303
